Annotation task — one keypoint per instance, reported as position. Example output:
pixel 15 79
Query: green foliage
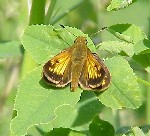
pixel 41 109
pixel 135 131
pixel 131 40
pixel 63 132
pixel 119 4
pixel 100 127
pixel 142 47
pixel 60 104
pixel 127 32
pixel 124 89
pixel 115 47
pixel 9 49
pixel 37 103
pixel 61 9
pixel 32 94
pixel 46 41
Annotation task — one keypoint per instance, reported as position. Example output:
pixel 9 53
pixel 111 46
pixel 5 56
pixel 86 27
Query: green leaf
pixel 145 128
pixel 37 41
pixel 36 102
pixel 127 32
pixel 135 131
pixel 46 40
pixel 43 42
pixel 142 46
pixel 123 130
pixel 100 127
pixel 119 4
pixel 129 131
pixel 63 132
pixel 143 60
pixel 115 47
pixel 87 104
pixel 124 89
pixel 11 48
pixel 78 117
pixel 35 131
pixel 143 81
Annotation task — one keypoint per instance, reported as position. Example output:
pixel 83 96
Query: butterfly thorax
pixel 79 55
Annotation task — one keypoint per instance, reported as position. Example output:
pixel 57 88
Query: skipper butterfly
pixel 79 66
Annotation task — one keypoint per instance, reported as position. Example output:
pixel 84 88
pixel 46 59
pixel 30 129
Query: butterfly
pixel 77 65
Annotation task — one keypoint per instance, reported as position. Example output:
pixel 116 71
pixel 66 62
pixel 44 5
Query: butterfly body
pixel 78 58
pixel 79 66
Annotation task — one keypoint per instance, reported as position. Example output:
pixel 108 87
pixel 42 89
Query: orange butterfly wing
pixel 95 74
pixel 57 70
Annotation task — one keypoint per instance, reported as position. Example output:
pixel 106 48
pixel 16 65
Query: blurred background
pixel 89 16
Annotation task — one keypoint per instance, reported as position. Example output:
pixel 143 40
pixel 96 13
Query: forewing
pixel 106 81
pixel 95 74
pixel 57 70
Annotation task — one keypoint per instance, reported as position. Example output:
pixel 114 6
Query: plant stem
pixel 37 14
pixel 54 21
pixel 50 11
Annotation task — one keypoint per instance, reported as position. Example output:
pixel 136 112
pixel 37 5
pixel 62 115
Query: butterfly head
pixel 81 39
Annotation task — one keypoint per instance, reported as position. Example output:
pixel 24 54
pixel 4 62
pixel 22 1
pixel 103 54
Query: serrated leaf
pixel 76 117
pixel 100 127
pixel 142 47
pixel 124 89
pixel 36 102
pixel 38 38
pixel 142 81
pixel 127 32
pixel 119 4
pixel 115 47
pixel 48 41
pixel 11 48
pixel 63 132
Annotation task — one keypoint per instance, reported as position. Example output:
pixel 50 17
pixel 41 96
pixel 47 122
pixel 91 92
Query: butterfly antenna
pixel 67 29
pixel 99 31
